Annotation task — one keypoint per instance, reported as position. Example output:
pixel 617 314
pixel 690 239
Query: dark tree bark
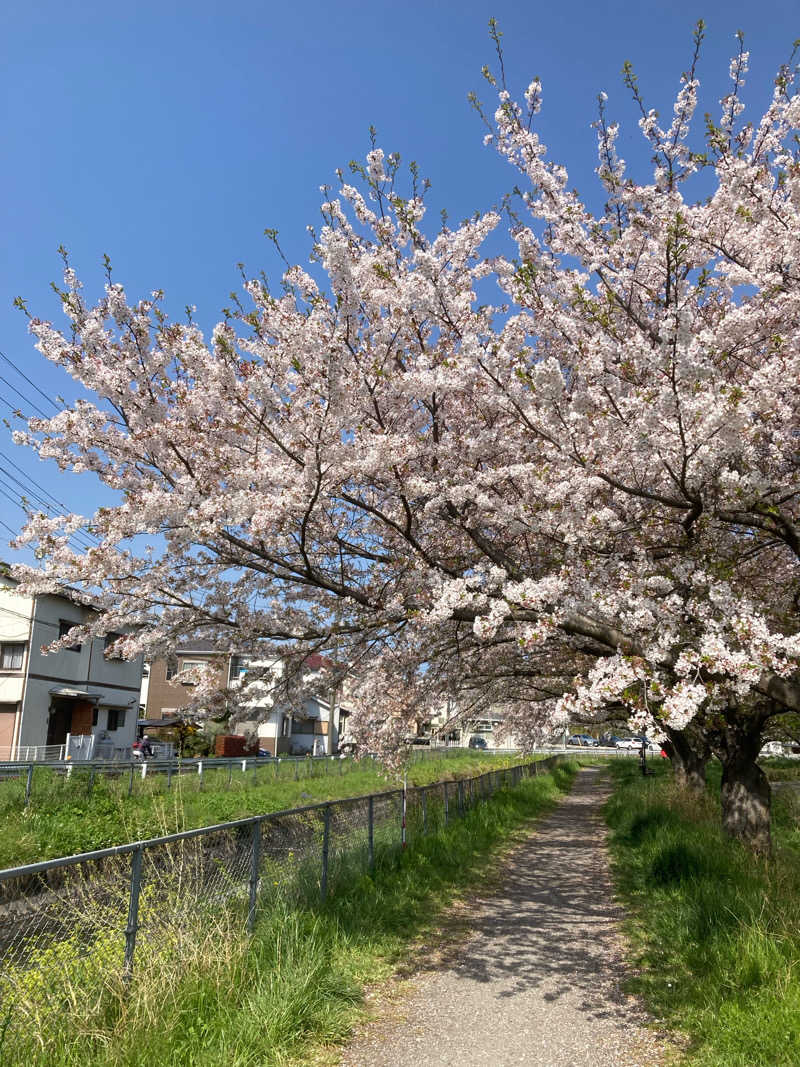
pixel 689 752
pixel 746 793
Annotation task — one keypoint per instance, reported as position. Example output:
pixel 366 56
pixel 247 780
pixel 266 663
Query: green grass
pixel 716 931
pixel 781 769
pixel 66 816
pixel 220 999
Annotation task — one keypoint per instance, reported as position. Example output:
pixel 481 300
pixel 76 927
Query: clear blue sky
pixel 169 135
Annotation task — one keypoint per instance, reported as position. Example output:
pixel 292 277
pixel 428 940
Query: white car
pixel 635 743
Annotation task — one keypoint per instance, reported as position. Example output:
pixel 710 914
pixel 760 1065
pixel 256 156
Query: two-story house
pixel 309 726
pixel 81 701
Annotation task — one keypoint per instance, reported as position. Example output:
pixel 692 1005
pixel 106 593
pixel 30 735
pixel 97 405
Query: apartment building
pixel 80 702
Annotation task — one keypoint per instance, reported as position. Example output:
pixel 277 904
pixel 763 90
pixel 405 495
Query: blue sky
pixel 170 135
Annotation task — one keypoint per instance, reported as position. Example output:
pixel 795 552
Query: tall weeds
pixel 205 993
pixel 716 929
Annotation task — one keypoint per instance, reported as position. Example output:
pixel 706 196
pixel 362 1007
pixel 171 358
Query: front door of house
pixel 59 723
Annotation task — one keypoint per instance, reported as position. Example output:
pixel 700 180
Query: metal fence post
pixel 424 798
pixel 130 782
pixel 296 774
pixel 230 772
pixel 29 785
pixel 460 796
pixel 403 809
pixel 91 777
pixel 133 910
pixel 277 766
pixel 255 865
pixel 446 805
pixel 371 833
pixel 169 776
pixel 326 840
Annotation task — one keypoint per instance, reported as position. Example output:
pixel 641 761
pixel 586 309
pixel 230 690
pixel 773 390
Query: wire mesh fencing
pixel 94 917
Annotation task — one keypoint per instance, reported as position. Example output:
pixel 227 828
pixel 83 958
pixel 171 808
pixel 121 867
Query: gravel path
pixel 537 982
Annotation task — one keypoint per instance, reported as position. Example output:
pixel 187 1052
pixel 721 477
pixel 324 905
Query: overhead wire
pixel 16 500
pixel 78 538
pixel 30 382
pixel 27 399
pixel 88 537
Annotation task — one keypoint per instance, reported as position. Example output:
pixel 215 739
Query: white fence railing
pixel 33 753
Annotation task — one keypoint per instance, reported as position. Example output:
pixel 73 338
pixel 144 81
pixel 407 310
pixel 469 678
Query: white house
pixel 76 702
pixel 308 725
pixel 312 726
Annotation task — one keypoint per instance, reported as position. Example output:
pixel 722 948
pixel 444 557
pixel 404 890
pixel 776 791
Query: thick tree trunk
pixel 746 793
pixel 746 804
pixel 689 757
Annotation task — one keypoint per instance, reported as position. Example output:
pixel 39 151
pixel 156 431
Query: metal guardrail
pixel 64 920
pixel 137 775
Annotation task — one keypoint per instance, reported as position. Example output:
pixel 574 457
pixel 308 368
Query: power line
pixel 16 466
pixel 10 406
pixel 29 381
pixel 18 502
pixel 27 618
pixel 27 400
pixel 36 498
pixel 46 493
pixel 12 532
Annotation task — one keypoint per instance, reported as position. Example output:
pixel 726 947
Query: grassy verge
pixel 210 996
pixel 716 932
pixel 68 816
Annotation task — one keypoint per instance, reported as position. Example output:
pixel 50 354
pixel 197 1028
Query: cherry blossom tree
pixel 579 496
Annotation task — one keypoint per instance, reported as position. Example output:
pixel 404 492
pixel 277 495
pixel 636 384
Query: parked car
pixel 478 742
pixel 635 743
pixel 609 740
pixel 582 740
pixel 630 743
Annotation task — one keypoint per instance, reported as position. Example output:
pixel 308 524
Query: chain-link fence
pixel 67 920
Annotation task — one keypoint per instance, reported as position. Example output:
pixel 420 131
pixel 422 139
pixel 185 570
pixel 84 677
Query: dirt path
pixel 537 982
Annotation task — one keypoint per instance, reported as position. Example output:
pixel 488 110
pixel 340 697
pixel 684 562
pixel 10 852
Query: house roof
pixel 199 646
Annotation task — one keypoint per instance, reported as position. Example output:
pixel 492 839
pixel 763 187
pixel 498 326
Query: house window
pixel 238 668
pixel 64 627
pixel 11 656
pixel 116 718
pixel 188 664
pixel 286 726
pixel 108 645
pixel 172 670
pixel 94 715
